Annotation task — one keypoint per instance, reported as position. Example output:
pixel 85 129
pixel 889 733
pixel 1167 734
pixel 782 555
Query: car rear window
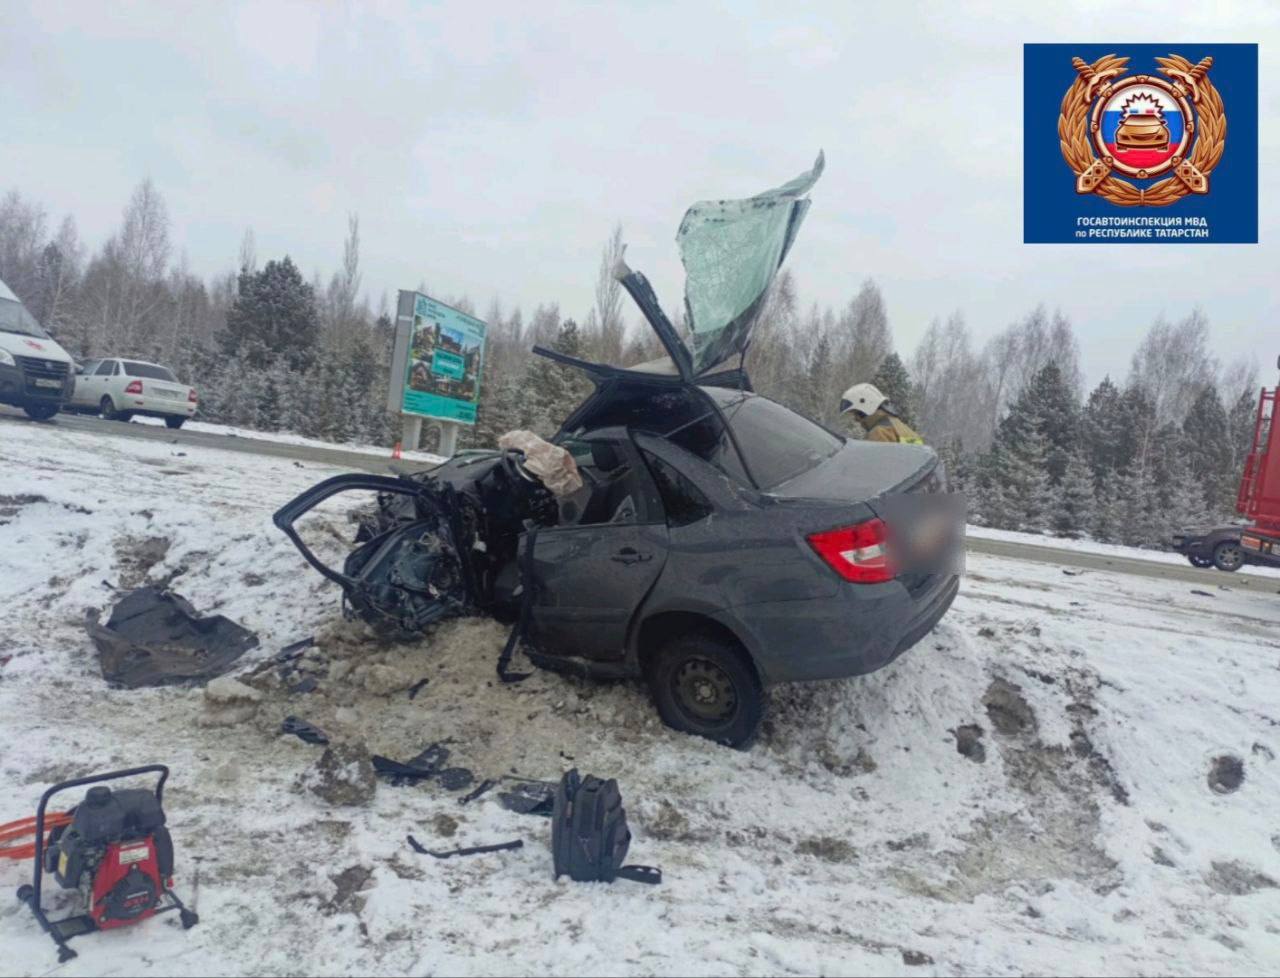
pixel 148 370
pixel 776 443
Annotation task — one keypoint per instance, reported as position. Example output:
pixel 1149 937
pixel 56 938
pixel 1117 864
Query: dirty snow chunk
pixel 343 775
pixel 1226 774
pixel 550 463
pixel 969 742
pixel 1237 879
pixel 229 703
pixel 228 689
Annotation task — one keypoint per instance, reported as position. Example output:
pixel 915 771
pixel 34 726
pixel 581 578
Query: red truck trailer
pixel 1258 540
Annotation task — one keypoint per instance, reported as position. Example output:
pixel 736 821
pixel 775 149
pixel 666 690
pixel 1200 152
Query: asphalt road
pixel 1070 560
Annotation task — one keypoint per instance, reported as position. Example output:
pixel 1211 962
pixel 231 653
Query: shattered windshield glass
pixel 731 251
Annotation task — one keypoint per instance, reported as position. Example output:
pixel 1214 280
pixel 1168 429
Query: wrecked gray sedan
pixel 719 542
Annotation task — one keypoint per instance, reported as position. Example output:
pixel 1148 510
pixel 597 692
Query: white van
pixel 35 373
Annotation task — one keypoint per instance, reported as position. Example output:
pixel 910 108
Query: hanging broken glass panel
pixel 731 251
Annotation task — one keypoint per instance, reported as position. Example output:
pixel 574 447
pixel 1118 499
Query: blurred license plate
pixel 45 382
pixel 1253 543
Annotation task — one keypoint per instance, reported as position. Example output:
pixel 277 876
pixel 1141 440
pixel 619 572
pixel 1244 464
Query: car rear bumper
pixel 159 407
pixel 862 631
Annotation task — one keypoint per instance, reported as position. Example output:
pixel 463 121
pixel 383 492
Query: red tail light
pixel 857 553
pixel 134 388
pixel 191 398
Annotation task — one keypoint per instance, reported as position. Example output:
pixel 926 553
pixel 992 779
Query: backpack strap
pixel 650 875
pixel 526 610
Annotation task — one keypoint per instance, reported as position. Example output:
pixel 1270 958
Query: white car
pixel 118 389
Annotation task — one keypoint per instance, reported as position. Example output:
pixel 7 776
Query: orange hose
pixel 12 831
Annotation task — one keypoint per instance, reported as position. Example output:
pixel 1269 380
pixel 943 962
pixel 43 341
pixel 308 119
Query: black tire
pixel 189 918
pixel 1227 556
pixel 1197 561
pixel 705 686
pixel 40 412
pixel 175 422
pixel 107 408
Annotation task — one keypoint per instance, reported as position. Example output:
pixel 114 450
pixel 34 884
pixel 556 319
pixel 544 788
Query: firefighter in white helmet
pixel 877 415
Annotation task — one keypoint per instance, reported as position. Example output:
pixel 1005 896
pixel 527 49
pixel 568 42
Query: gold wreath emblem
pixel 1207 131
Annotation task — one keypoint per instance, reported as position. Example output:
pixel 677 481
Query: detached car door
pixel 592 575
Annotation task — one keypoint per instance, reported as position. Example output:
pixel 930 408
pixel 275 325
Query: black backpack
pixel 589 835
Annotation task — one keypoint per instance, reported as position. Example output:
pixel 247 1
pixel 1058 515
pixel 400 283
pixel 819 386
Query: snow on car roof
pixel 7 293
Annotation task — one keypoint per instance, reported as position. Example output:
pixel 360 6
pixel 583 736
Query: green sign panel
pixel 446 356
pixel 446 364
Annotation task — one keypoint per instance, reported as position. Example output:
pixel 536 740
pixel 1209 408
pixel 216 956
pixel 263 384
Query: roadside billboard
pixel 439 356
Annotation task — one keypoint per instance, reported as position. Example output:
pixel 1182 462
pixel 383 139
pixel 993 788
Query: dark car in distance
pixel 720 542
pixel 1226 547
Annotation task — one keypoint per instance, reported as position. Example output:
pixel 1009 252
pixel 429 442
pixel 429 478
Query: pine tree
pixel 1102 426
pixel 1207 443
pixel 1183 505
pixel 895 383
pixel 555 389
pixel 274 314
pixel 1075 500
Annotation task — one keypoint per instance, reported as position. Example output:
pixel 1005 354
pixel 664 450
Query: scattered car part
pixel 155 637
pixel 422 850
pixel 304 731
pixel 487 784
pixel 417 687
pixel 429 764
pixel 529 797
pixel 589 834
pixel 115 850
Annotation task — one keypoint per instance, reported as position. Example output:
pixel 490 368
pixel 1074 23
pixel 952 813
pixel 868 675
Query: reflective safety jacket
pixel 883 426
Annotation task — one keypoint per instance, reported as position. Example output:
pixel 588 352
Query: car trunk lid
pixel 860 472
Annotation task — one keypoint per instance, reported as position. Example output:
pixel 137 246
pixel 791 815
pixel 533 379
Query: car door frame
pixel 647 539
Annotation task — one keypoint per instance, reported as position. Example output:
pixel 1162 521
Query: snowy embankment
pixel 1028 790
pixel 289 438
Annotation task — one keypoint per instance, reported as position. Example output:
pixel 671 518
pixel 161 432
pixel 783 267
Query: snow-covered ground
pixel 1094 547
pixel 289 438
pixel 1076 834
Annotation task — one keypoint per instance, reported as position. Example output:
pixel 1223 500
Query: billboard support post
pixel 436 368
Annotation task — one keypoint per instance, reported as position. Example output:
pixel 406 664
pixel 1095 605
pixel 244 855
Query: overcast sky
pixel 489 148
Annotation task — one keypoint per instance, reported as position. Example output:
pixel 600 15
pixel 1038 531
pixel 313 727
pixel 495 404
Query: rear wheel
pixel 705 686
pixel 107 408
pixel 40 412
pixel 175 422
pixel 1227 556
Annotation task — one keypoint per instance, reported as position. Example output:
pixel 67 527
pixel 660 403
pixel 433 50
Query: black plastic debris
pixel 155 637
pixel 304 731
pixel 427 764
pixel 295 650
pixel 422 850
pixel 416 688
pixel 1203 594
pixel 529 798
pixel 455 778
pixel 400 774
pixel 488 784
